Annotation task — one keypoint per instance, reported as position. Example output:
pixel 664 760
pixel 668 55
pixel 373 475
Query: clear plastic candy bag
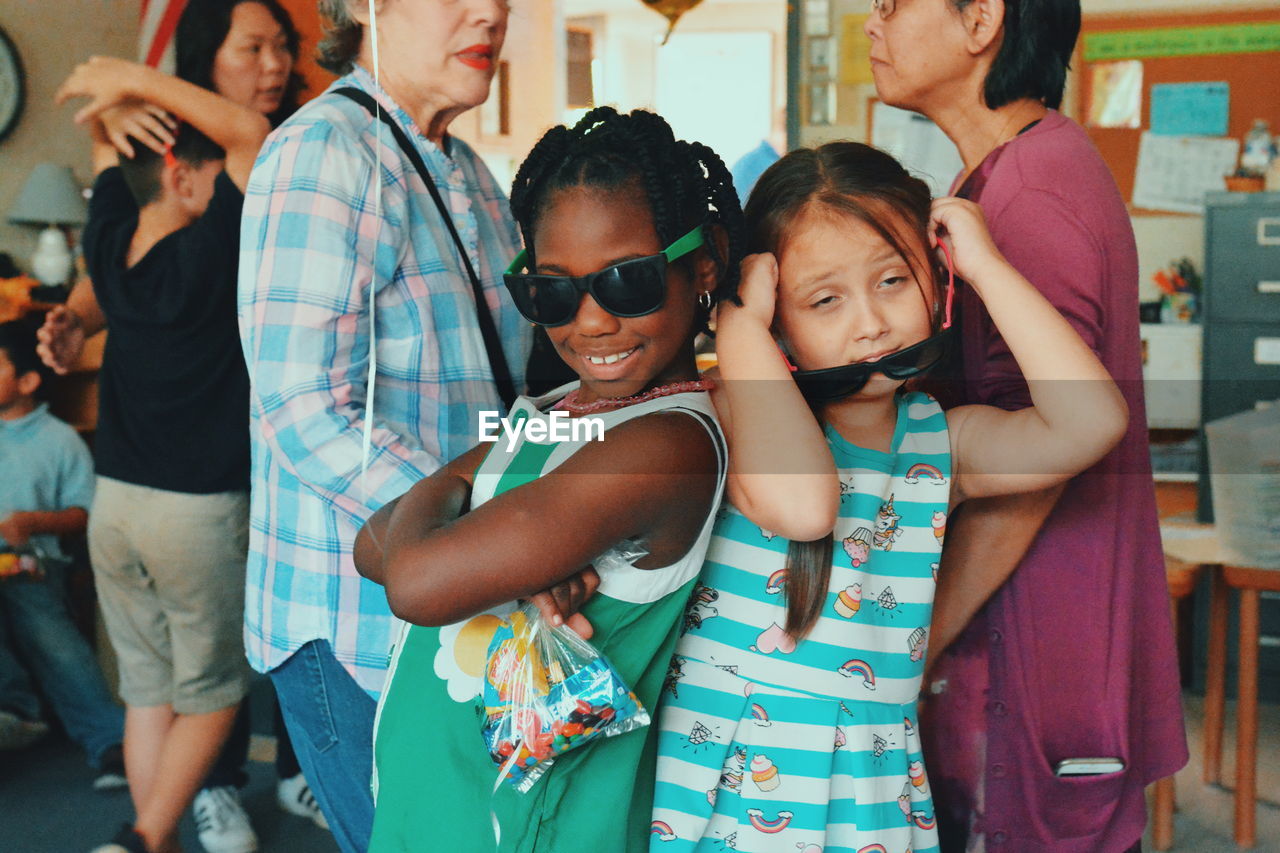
pixel 546 691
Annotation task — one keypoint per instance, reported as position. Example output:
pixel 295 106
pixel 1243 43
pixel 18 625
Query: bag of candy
pixel 546 691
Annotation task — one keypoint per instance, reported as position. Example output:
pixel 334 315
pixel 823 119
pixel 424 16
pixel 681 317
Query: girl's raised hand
pixel 757 290
pixel 962 224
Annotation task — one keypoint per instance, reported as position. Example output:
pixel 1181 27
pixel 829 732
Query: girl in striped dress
pixel 789 717
pixel 631 236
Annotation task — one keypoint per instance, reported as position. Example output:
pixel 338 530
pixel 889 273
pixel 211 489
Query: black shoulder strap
pixel 492 344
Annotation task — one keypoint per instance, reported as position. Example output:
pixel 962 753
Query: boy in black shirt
pixel 168 530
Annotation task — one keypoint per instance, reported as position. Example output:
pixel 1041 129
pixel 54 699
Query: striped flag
pixel 155 33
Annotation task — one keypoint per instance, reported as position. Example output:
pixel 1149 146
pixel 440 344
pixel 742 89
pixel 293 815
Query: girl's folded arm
pixel 651 478
pixel 1077 415
pixel 432 502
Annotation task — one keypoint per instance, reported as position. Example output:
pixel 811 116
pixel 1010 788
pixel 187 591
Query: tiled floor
pixel 46 805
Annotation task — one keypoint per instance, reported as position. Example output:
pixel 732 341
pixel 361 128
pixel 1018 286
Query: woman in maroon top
pixel 1051 635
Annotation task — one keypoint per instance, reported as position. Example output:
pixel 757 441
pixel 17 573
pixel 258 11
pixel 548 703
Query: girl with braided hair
pixel 631 236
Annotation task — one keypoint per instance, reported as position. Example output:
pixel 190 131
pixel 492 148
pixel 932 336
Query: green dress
pixel 434 782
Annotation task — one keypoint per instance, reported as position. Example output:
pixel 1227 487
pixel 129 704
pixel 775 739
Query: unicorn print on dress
pixel 700 609
pixel 858 546
pixel 675 672
pixel 735 768
pixel 887 530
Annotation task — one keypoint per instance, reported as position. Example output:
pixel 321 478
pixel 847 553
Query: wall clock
pixel 11 85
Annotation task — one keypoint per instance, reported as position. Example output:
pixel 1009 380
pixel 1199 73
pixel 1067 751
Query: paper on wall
pixel 918 144
pixel 855 51
pixel 1174 172
pixel 1115 98
pixel 1187 109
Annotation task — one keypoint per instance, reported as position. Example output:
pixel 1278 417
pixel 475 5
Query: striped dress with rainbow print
pixel 768 744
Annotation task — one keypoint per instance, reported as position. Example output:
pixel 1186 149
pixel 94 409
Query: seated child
pixel 630 235
pixel 48 486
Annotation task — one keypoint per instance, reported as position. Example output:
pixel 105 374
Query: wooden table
pixel 1198 544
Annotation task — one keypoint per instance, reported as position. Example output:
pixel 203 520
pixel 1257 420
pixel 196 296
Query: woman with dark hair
pixel 1051 640
pixel 233 49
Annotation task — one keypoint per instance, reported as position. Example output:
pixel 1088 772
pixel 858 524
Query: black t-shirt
pixel 173 409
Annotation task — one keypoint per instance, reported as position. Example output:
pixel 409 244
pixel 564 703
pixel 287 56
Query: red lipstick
pixel 478 56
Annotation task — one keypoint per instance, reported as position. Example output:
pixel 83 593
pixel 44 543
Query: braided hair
pixel 686 183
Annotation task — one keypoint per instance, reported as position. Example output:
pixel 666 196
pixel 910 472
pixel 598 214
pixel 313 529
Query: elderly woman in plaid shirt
pixel 361 311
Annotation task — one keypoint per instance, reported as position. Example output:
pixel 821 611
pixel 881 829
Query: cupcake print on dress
pixel 765 773
pixel 849 601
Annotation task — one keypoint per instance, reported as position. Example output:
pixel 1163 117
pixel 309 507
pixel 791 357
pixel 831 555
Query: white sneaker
pixel 294 796
pixel 221 824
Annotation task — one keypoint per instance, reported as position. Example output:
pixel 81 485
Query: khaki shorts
pixel 170 571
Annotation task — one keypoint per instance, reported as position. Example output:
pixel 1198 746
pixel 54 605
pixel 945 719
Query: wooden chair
pixel 1251 583
pixel 1182 577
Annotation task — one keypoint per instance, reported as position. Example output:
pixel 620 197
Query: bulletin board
pixel 1254 78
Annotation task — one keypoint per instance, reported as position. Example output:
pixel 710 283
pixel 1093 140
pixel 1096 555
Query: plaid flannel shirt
pixel 314 250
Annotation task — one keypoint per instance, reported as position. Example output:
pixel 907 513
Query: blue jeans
pixel 40 628
pixel 330 720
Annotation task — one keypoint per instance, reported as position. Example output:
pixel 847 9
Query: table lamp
pixel 51 197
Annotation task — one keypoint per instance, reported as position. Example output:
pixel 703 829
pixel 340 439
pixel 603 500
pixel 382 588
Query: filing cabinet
pixel 1241 312
pixel 1241 321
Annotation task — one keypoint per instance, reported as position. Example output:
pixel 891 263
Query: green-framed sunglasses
pixel 628 289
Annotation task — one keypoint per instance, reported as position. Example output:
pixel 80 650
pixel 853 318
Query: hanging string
pixel 367 443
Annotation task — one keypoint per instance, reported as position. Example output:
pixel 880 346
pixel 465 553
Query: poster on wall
pixel 1174 172
pixel 1190 109
pixel 855 51
pixel 1182 41
pixel 1115 94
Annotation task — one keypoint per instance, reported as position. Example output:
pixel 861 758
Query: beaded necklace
pixel 570 402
